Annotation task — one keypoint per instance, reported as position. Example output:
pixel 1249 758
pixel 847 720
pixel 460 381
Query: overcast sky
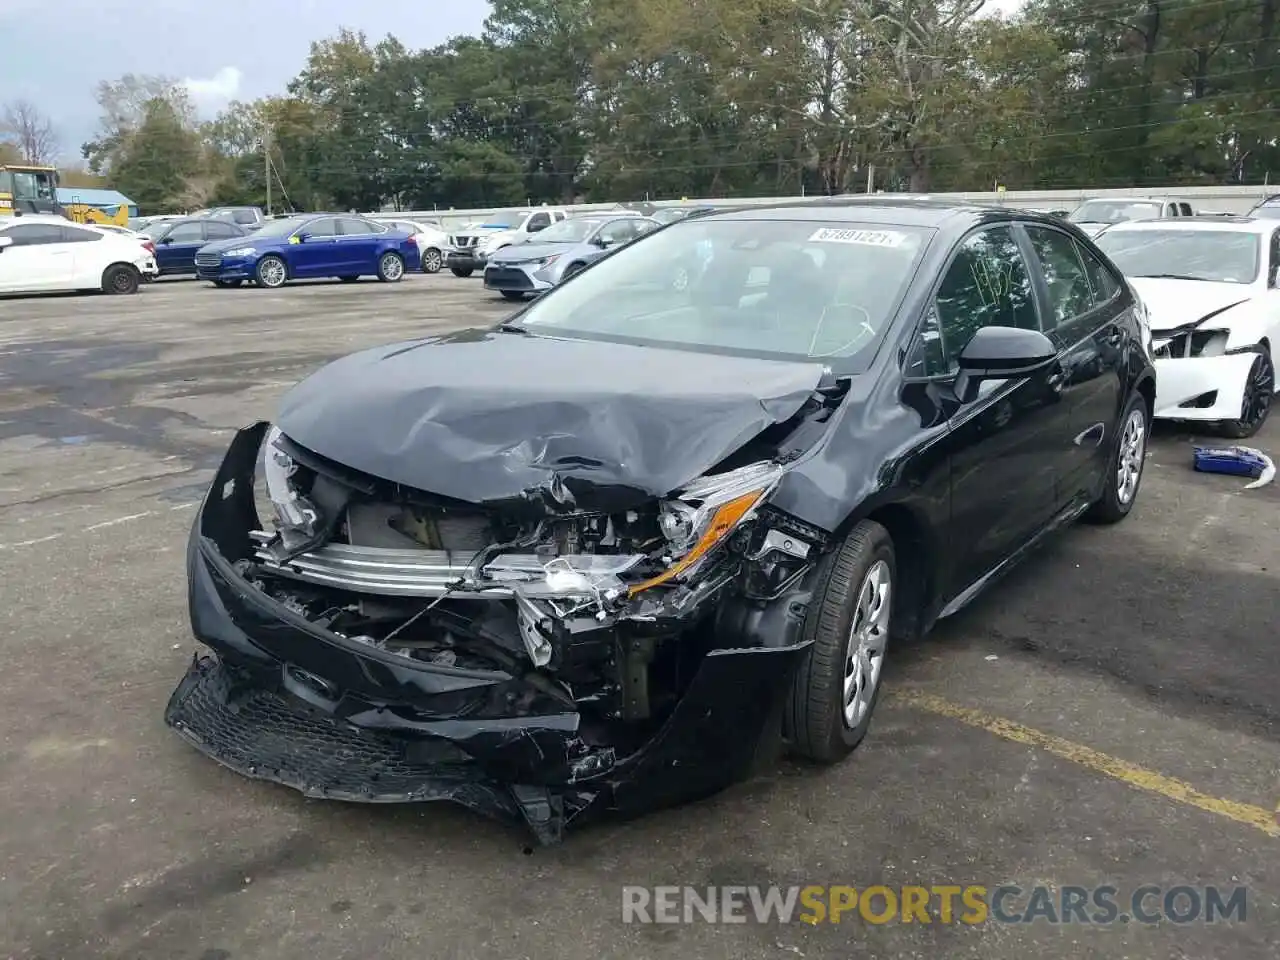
pixel 56 51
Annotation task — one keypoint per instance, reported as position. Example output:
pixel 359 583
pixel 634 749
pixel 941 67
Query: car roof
pixel 1236 224
pixel 875 209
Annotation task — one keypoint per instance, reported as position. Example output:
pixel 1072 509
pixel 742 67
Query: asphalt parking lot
pixel 1107 715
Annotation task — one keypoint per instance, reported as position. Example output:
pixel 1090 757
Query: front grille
pixel 507 278
pixel 266 735
pixel 208 260
pixel 464 241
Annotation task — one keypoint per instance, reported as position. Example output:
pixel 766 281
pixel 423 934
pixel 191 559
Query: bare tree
pixel 30 131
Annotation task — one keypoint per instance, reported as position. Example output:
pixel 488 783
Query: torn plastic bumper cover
pixel 334 716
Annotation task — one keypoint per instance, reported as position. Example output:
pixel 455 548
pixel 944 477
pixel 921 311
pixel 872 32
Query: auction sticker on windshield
pixel 870 238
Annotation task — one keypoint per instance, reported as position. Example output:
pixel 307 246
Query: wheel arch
pixel 915 551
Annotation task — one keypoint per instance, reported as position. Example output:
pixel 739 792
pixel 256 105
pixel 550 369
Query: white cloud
pixel 217 90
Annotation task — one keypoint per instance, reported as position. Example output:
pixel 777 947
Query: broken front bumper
pixel 1202 388
pixel 288 701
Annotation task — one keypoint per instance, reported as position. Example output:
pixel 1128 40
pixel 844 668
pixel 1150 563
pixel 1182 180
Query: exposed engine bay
pixel 594 602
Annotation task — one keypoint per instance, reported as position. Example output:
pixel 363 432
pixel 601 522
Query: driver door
pixel 315 254
pixel 1004 443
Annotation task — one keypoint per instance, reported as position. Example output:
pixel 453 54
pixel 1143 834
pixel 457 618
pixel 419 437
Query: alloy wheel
pixel 1133 451
pixel 868 638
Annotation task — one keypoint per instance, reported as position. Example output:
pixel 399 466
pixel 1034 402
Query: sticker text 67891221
pixel 868 238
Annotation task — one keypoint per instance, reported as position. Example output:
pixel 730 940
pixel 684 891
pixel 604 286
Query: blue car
pixel 308 246
pixel 178 241
pixel 560 251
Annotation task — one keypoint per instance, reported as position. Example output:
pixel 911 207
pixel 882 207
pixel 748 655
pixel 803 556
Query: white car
pixel 1094 216
pixel 149 271
pixel 1211 289
pixel 42 254
pixel 432 240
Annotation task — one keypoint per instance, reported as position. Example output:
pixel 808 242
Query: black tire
pixel 391 268
pixel 432 260
pixel 227 283
pixel 272 272
pixel 461 271
pixel 814 718
pixel 511 294
pixel 572 270
pixel 121 279
pixel 1259 390
pixel 1115 503
pixel 348 279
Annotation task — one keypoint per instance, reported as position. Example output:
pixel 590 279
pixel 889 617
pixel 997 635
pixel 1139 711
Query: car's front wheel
pixel 511 294
pixel 1124 468
pixel 432 260
pixel 226 283
pixel 461 271
pixel 121 279
pixel 836 687
pixel 390 268
pixel 271 273
pixel 1259 389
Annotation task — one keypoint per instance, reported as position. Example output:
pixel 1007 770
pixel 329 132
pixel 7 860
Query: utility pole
pixel 266 161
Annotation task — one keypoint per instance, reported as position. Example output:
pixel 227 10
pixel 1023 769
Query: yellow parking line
pixel 1267 821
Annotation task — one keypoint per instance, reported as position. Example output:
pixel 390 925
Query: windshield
pixel 1224 256
pixel 1268 211
pixel 504 219
pixel 795 290
pixel 1115 211
pixel 280 228
pixel 573 230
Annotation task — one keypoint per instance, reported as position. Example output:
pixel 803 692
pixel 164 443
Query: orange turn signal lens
pixel 725 519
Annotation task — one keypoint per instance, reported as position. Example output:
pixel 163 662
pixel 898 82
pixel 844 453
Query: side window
pixel 216 230
pixel 1185 208
pixel 986 285
pixel 187 233
pixel 1274 262
pixel 619 231
pixel 928 358
pixel 35 234
pixel 644 226
pixel 327 227
pixel 76 235
pixel 246 218
pixel 1070 293
pixel 539 221
pixel 559 215
pixel 351 227
pixel 1102 281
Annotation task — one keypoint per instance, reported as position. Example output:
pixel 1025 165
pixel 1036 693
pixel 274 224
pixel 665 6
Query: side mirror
pixel 996 353
pixel 166 240
pixel 304 237
pixel 5 243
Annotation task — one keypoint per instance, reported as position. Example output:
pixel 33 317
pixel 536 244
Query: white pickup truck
pixel 1093 216
pixel 471 246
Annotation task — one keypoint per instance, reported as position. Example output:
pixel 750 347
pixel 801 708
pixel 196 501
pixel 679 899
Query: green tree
pixel 159 162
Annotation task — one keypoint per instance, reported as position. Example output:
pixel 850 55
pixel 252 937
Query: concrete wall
pixel 1208 199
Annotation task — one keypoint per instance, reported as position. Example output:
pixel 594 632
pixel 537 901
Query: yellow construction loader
pixel 28 188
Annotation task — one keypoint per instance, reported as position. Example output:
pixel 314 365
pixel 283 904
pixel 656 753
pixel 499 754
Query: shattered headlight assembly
pixel 706 513
pixel 297 520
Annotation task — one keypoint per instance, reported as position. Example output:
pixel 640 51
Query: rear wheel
pixel 121 279
pixel 271 273
pixel 432 261
pixel 837 685
pixel 390 267
pixel 1124 470
pixel 1256 404
pixel 461 271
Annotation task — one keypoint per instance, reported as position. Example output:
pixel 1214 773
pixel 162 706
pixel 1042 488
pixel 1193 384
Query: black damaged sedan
pixel 676 510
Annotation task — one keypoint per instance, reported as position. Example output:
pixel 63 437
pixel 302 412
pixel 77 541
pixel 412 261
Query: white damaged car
pixel 1211 287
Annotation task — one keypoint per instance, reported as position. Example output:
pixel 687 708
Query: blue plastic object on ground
pixel 1237 461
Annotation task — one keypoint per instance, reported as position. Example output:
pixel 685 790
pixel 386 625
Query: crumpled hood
pixel 1173 303
pixel 490 417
